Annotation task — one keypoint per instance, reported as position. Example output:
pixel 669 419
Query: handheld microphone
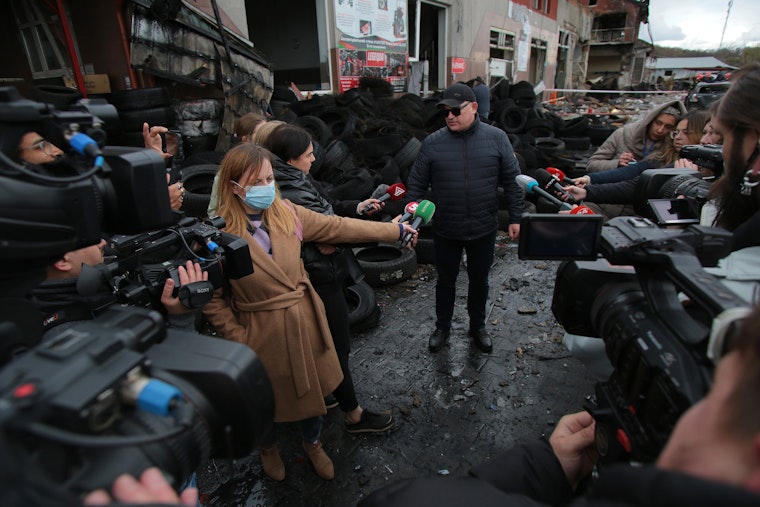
pixel 530 186
pixel 393 192
pixel 422 215
pixel 549 182
pixel 560 175
pixel 409 211
pixel 582 210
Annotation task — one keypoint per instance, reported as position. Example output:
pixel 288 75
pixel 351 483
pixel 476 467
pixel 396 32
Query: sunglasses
pixel 456 111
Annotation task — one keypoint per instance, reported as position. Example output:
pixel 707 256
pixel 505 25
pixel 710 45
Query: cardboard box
pixel 93 83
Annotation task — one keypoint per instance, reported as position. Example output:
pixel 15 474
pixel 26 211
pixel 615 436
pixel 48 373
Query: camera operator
pixel 734 199
pixel 712 457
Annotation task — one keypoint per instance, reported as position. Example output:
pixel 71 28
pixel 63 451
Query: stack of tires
pixel 135 107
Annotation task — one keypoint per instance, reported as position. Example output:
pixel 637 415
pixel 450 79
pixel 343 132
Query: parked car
pixel 704 94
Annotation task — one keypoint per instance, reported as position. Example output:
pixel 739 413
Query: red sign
pixel 457 65
pixel 376 59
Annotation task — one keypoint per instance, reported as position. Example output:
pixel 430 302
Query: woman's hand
pixel 582 181
pixel 326 249
pixel 409 229
pixel 369 207
pixel 685 163
pixel 176 194
pixel 577 192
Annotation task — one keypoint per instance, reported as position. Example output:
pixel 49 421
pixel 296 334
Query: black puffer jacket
pixel 303 190
pixel 464 171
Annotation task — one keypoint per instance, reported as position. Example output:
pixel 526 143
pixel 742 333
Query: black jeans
pixel 336 308
pixel 448 256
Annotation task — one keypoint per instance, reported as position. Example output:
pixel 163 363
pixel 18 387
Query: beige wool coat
pixel 277 313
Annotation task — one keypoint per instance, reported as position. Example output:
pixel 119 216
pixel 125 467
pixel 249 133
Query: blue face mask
pixel 259 197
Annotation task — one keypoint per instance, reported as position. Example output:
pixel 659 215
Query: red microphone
pixel 582 210
pixel 409 210
pixel 394 193
pixel 557 173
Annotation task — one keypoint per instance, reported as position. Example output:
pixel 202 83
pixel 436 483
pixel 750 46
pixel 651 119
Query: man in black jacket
pixel 712 457
pixel 464 163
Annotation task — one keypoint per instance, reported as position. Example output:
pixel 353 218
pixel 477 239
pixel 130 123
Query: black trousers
pixel 336 308
pixel 448 256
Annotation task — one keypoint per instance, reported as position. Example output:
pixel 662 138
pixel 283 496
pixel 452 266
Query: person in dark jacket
pixel 328 266
pixel 711 459
pixel 464 163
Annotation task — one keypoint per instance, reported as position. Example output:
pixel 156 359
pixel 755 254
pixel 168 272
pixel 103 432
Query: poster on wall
pixel 373 41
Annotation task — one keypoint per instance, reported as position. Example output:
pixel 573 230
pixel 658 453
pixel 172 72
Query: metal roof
pixel 692 63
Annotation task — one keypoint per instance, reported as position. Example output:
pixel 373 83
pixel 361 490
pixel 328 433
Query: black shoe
pixel 438 339
pixel 371 422
pixel 481 339
pixel 330 401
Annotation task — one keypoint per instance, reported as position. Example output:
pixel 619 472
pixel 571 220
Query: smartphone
pixel 673 211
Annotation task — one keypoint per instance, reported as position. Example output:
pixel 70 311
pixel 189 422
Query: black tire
pixel 132 120
pixel 361 301
pixel 574 127
pixel 318 129
pixel 199 178
pixel 406 155
pixel 61 97
pixel 386 264
pixel 599 133
pixel 576 143
pixel 371 322
pixel 195 145
pixel 549 144
pixel 143 98
pixel 512 120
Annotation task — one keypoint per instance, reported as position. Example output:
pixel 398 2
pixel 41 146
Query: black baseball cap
pixel 457 94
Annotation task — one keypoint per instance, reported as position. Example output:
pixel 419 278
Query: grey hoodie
pixel 629 138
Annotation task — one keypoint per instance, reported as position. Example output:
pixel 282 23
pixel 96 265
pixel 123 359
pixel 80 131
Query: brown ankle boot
pixel 273 465
pixel 323 465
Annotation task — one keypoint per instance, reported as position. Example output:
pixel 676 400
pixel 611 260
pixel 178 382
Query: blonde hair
pixel 279 217
pixel 263 132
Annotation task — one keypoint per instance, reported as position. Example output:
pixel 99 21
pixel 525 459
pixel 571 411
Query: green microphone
pixel 422 215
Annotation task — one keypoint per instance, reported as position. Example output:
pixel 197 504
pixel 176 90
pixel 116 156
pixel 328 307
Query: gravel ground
pixel 452 409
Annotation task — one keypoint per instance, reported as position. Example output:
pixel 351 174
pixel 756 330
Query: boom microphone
pixel 549 182
pixel 530 186
pixel 422 215
pixel 394 193
pixel 409 211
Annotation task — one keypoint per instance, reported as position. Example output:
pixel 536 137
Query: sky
pixel 698 24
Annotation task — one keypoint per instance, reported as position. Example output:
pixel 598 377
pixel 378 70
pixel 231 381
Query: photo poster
pixel 373 41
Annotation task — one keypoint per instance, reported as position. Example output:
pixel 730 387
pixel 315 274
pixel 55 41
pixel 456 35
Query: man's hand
pixel 577 192
pixel 326 249
pixel 152 139
pixel 573 443
pixel 407 229
pixel 191 273
pixel 685 163
pixel 514 231
pixel 151 489
pixel 626 158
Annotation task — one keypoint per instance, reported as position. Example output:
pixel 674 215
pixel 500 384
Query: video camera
pixel 631 298
pixel 144 262
pixel 119 393
pixel 709 156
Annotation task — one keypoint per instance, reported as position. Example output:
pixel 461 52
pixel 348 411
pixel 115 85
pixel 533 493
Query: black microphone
pixel 549 182
pixel 409 211
pixel 530 186
pixel 393 192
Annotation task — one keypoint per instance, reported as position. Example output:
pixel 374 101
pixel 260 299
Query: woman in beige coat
pixel 275 310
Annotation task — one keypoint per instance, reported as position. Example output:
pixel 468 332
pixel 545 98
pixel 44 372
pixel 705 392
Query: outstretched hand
pixel 573 443
pixel 152 488
pixel 152 139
